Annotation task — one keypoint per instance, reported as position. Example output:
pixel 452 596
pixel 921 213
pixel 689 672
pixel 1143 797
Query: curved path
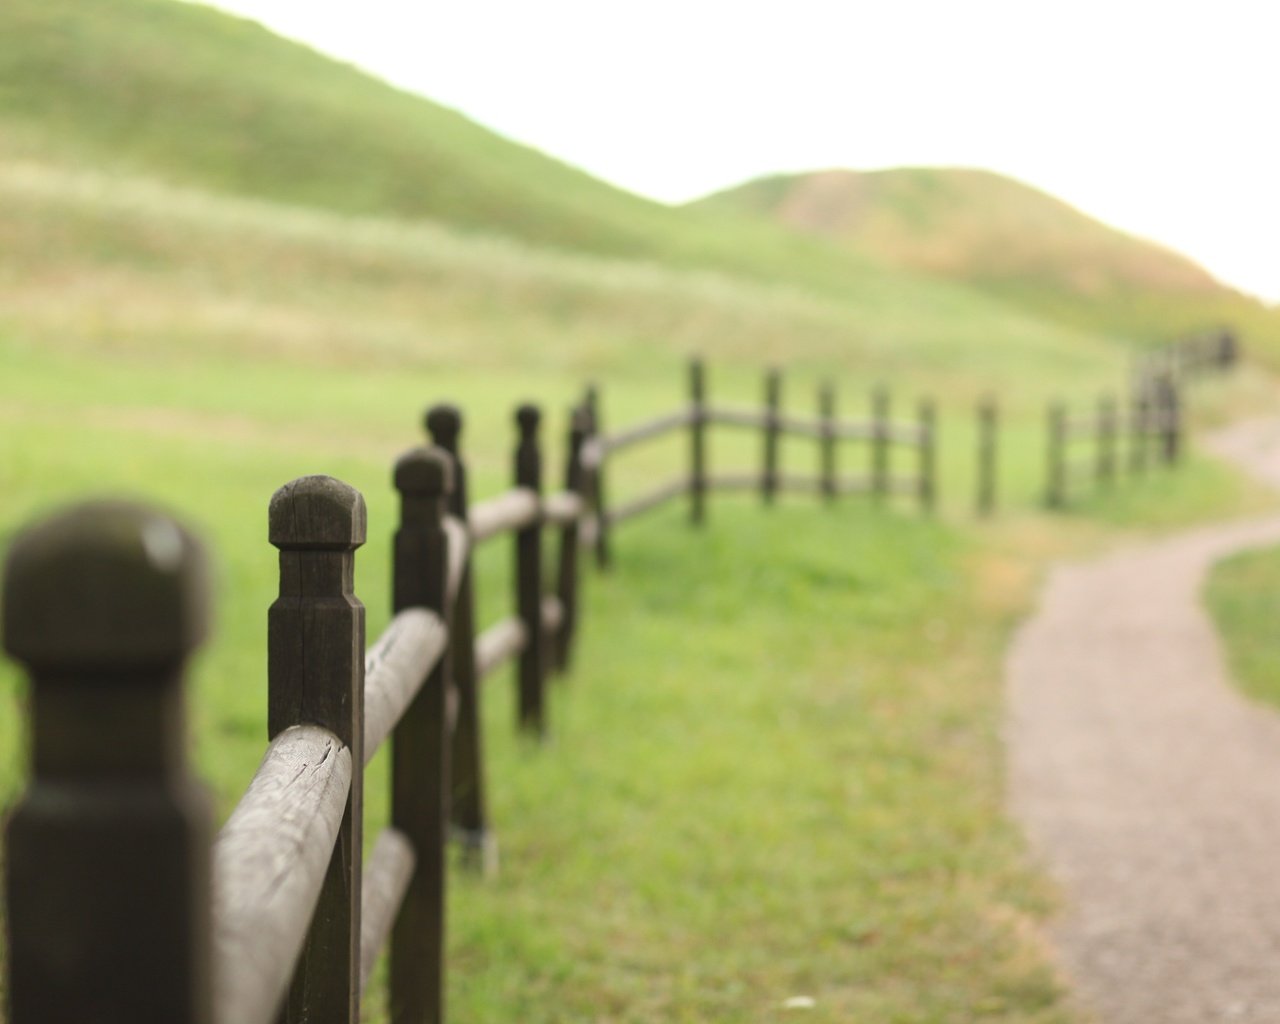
pixel 1147 784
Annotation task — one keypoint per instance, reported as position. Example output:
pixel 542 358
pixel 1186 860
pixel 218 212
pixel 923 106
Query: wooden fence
pixel 123 907
pixel 120 909
pixel 879 432
pixel 1085 449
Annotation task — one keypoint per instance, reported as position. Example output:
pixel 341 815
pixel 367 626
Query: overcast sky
pixel 1160 118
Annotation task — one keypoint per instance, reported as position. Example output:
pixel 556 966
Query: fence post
pixel 880 443
pixel 420 788
pixel 1227 350
pixel 772 401
pixel 567 575
pixel 1106 430
pixel 1139 429
pixel 1055 495
pixel 987 427
pixel 444 424
pixel 1170 420
pixel 697 442
pixel 528 576
pixel 927 484
pixel 598 497
pixel 315 671
pixel 107 874
pixel 827 440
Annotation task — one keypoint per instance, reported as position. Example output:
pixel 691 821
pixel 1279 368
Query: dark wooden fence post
pixel 567 575
pixel 1169 418
pixel 772 403
pixel 697 443
pixel 315 666
pixel 470 816
pixel 107 875
pixel 927 484
pixel 880 443
pixel 420 791
pixel 1056 492
pixel 1139 431
pixel 528 576
pixel 988 424
pixel 1106 426
pixel 827 439
pixel 598 495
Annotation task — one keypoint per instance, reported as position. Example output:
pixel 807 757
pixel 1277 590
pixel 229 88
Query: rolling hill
pixel 1004 237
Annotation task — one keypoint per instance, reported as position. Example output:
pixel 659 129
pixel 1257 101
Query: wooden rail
pixel 1152 414
pixel 880 433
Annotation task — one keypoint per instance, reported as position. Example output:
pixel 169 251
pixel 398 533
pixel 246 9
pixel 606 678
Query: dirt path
pixel 1147 784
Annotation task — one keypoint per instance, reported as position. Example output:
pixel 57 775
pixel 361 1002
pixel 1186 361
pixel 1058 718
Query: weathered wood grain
pixel 395 668
pixel 269 865
pixel 459 554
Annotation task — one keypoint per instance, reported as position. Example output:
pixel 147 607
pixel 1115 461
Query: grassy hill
pixel 1009 239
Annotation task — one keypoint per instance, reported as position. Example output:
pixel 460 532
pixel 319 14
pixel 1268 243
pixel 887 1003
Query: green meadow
pixel 775 770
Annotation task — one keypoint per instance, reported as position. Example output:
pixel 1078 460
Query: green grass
pixel 1243 596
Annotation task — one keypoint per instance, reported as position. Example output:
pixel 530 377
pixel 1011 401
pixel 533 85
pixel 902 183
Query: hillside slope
pixel 197 97
pixel 1009 239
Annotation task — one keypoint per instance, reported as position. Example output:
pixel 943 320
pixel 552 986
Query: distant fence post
pixel 528 474
pixel 107 877
pixel 420 791
pixel 1106 428
pixel 444 424
pixel 880 443
pixel 772 402
pixel 1139 431
pixel 697 442
pixel 1169 418
pixel 988 424
pixel 928 455
pixel 598 496
pixel 1055 495
pixel 1227 350
pixel 315 671
pixel 567 575
pixel 827 439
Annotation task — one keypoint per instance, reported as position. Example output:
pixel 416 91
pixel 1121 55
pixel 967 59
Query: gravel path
pixel 1150 788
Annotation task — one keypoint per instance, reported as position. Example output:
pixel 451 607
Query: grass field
pixel 776 769
pixel 1244 600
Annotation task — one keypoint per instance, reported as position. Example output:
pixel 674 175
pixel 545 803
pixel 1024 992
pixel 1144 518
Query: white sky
pixel 1158 117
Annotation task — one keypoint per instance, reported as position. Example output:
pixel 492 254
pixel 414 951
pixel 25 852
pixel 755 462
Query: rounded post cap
pixel 444 423
pixel 528 417
pixel 579 421
pixel 424 472
pixel 317 512
pixel 105 585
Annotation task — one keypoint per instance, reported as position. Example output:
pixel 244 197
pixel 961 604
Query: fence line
pixel 879 431
pixel 121 905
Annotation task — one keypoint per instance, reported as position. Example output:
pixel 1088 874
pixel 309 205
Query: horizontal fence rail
pixel 879 433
